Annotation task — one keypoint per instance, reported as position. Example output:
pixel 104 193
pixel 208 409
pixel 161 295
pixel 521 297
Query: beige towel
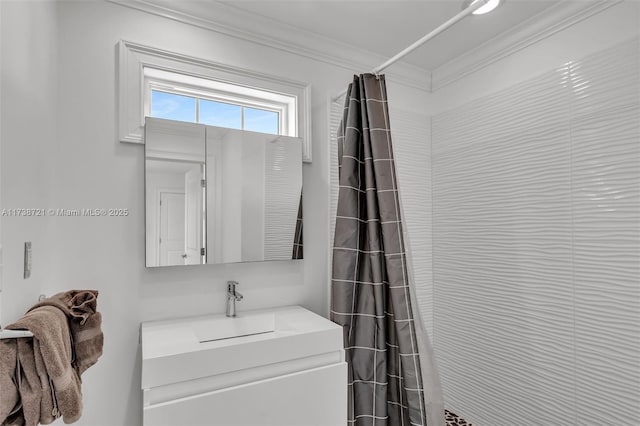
pixel 81 308
pixel 9 396
pixel 47 384
pixel 40 377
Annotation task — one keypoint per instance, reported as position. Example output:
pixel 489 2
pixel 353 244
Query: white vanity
pixel 281 366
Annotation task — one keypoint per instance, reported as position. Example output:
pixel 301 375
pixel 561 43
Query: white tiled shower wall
pixel 536 236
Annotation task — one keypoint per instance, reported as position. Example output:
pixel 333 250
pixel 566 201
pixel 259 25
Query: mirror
pixel 219 195
pixel 175 167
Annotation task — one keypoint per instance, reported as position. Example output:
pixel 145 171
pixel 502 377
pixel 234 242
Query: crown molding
pixel 533 30
pixel 215 16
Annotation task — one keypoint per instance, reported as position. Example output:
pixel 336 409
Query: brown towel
pixel 85 322
pixel 47 384
pixel 9 396
pixel 40 377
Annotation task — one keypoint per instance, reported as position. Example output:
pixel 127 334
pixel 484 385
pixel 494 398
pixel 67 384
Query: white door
pixel 171 244
pixel 193 216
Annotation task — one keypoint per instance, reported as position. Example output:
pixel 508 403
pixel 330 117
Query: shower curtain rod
pixel 465 12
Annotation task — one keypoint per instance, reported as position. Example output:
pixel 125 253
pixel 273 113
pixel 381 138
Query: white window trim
pixel 134 59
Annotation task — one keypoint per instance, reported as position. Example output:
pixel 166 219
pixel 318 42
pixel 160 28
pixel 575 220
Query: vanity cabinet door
pixel 316 397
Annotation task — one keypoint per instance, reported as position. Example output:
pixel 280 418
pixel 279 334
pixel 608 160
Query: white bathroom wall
pixel 88 168
pixel 28 87
pixel 536 170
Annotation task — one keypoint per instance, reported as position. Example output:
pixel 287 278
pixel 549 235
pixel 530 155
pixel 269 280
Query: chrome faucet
pixel 232 297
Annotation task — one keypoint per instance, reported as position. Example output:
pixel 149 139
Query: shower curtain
pixel 370 289
pixel 298 247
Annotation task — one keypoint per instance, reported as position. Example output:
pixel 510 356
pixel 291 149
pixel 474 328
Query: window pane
pixel 259 120
pixel 220 114
pixel 173 107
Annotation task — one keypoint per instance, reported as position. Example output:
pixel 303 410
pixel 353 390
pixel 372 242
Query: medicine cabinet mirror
pixel 220 195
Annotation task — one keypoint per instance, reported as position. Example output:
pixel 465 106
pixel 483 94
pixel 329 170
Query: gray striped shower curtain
pixel 370 295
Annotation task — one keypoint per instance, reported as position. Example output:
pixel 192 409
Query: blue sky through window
pixel 259 120
pixel 183 108
pixel 173 107
pixel 220 114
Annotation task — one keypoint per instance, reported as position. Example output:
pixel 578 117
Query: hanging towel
pixel 40 376
pixel 9 396
pixel 47 384
pixel 81 309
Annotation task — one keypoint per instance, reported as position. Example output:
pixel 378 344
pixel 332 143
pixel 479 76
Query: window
pixel 173 106
pixel 156 83
pixel 182 97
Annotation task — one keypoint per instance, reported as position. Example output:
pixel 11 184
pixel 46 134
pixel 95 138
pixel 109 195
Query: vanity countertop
pixel 172 350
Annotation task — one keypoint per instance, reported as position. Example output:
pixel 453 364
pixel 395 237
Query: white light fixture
pixel 486 8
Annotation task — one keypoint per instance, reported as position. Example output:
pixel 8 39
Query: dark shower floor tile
pixel 453 420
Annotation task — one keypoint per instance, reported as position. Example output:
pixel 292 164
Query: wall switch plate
pixel 27 259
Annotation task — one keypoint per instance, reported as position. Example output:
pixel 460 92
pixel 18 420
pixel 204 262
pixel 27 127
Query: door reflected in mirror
pixel 219 195
pixel 175 195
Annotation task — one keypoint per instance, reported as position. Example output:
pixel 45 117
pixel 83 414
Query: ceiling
pixel 386 27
